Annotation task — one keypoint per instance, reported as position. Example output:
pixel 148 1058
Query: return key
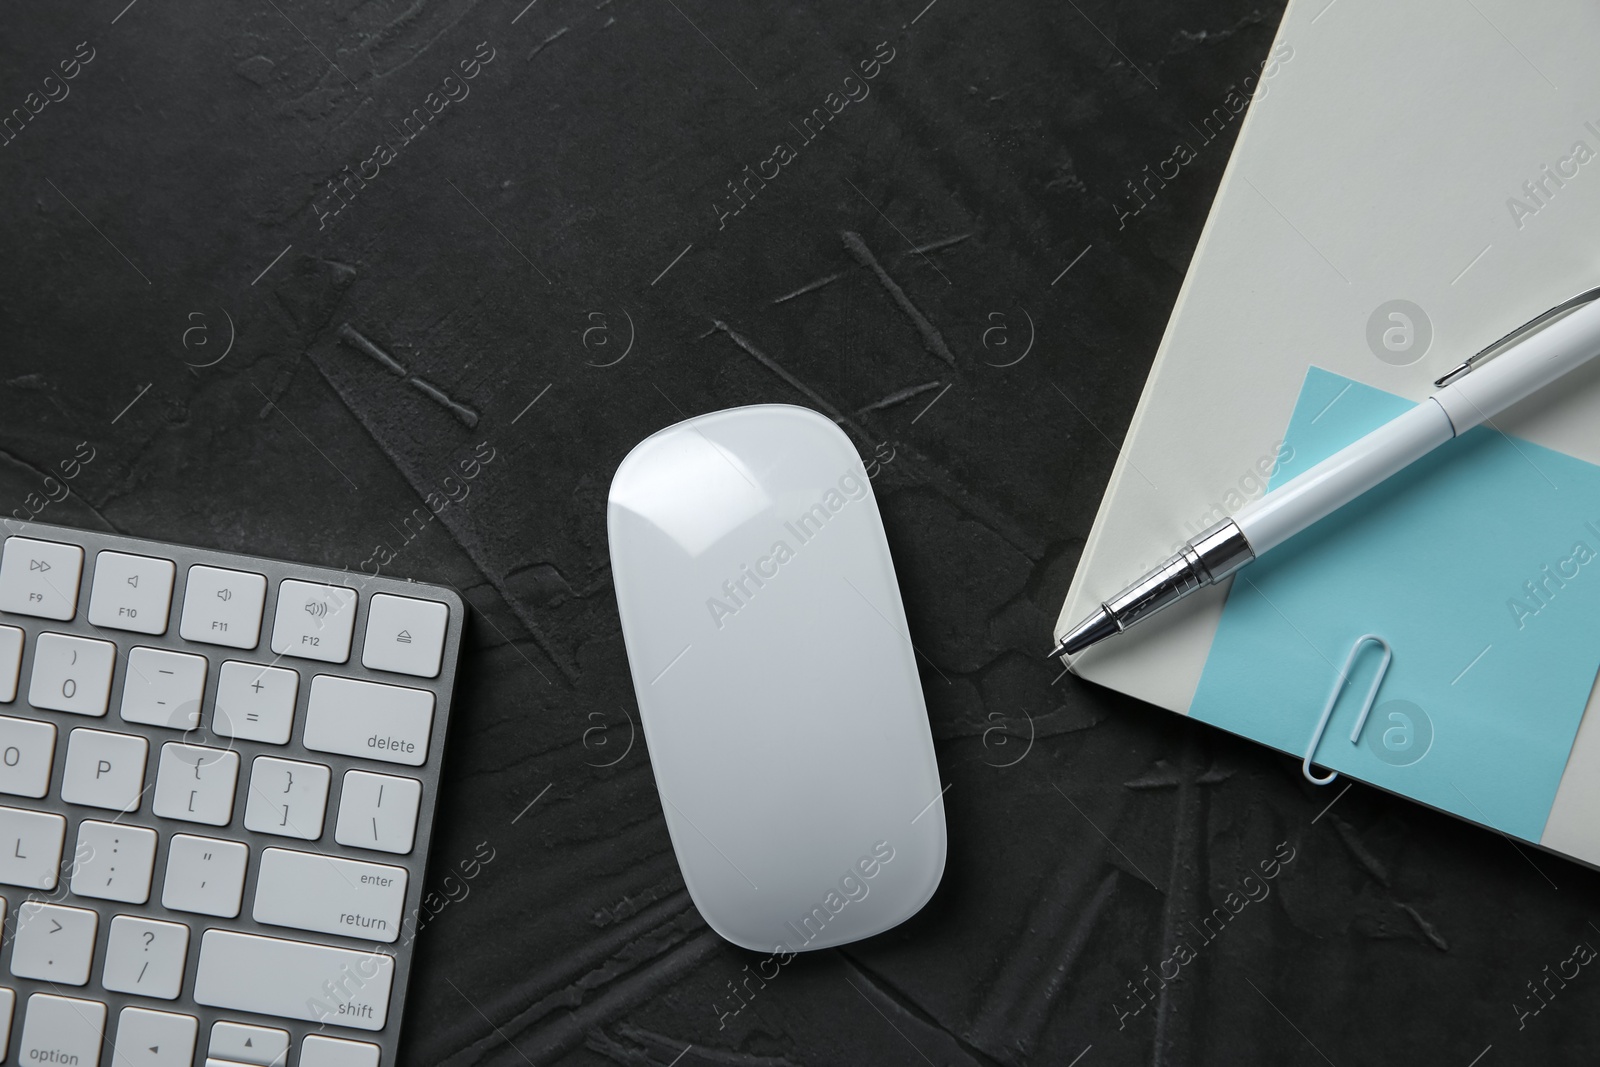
pixel 307 891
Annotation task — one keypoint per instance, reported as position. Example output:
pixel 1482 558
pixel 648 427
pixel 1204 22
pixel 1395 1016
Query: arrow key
pixel 148 1038
pixel 319 1051
pixel 258 1045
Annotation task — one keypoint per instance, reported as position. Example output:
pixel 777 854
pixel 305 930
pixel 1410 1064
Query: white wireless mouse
pixel 776 679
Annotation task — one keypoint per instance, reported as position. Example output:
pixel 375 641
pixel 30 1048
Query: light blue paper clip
pixel 1333 699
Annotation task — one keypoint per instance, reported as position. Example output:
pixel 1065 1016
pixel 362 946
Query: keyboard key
pixel 146 956
pixel 72 674
pixel 378 811
pixel 366 719
pixel 294 979
pixel 148 1038
pixel 131 592
pixel 63 1030
pixel 10 662
pixel 104 770
pixel 318 1051
pixel 27 751
pixel 255 703
pixel 314 621
pixel 287 798
pixel 163 688
pixel 330 895
pixel 259 1045
pixel 405 635
pixel 30 847
pixel 113 861
pixel 40 578
pixel 222 607
pixel 196 784
pixel 53 943
pixel 8 1007
pixel 204 875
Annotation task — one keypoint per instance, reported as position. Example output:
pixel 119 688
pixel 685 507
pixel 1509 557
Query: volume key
pixel 223 607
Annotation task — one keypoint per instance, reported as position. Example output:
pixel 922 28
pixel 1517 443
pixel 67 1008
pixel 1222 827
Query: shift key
pixel 390 723
pixel 294 979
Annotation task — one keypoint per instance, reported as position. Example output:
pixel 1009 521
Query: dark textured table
pixel 285 268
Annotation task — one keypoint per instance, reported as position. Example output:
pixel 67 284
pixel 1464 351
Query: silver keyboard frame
pixel 415 862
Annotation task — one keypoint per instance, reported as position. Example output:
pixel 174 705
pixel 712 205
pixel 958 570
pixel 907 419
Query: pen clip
pixel 1483 355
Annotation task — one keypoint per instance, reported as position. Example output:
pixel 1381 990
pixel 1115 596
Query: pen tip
pixel 1090 631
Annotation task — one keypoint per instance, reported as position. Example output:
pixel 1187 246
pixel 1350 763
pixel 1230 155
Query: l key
pixel 30 847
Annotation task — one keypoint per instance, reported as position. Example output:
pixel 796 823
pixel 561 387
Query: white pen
pixel 1517 365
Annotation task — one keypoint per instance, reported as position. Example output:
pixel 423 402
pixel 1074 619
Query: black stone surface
pixel 553 265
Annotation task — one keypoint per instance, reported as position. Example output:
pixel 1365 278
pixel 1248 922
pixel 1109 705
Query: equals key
pixel 256 702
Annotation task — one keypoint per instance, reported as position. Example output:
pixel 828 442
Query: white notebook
pixel 1435 153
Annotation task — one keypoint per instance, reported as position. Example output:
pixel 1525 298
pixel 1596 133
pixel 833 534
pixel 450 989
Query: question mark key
pixel 146 956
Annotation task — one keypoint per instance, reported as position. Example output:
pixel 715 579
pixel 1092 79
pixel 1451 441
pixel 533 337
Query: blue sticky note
pixel 1480 565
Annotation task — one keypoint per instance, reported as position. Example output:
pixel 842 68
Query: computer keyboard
pixel 218 776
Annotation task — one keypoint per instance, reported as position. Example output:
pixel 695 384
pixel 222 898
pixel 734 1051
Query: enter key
pixel 330 895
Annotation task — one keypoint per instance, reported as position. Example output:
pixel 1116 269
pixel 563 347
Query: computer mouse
pixel 776 680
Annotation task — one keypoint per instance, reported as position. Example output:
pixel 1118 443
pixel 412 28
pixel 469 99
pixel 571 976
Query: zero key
pixel 40 578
